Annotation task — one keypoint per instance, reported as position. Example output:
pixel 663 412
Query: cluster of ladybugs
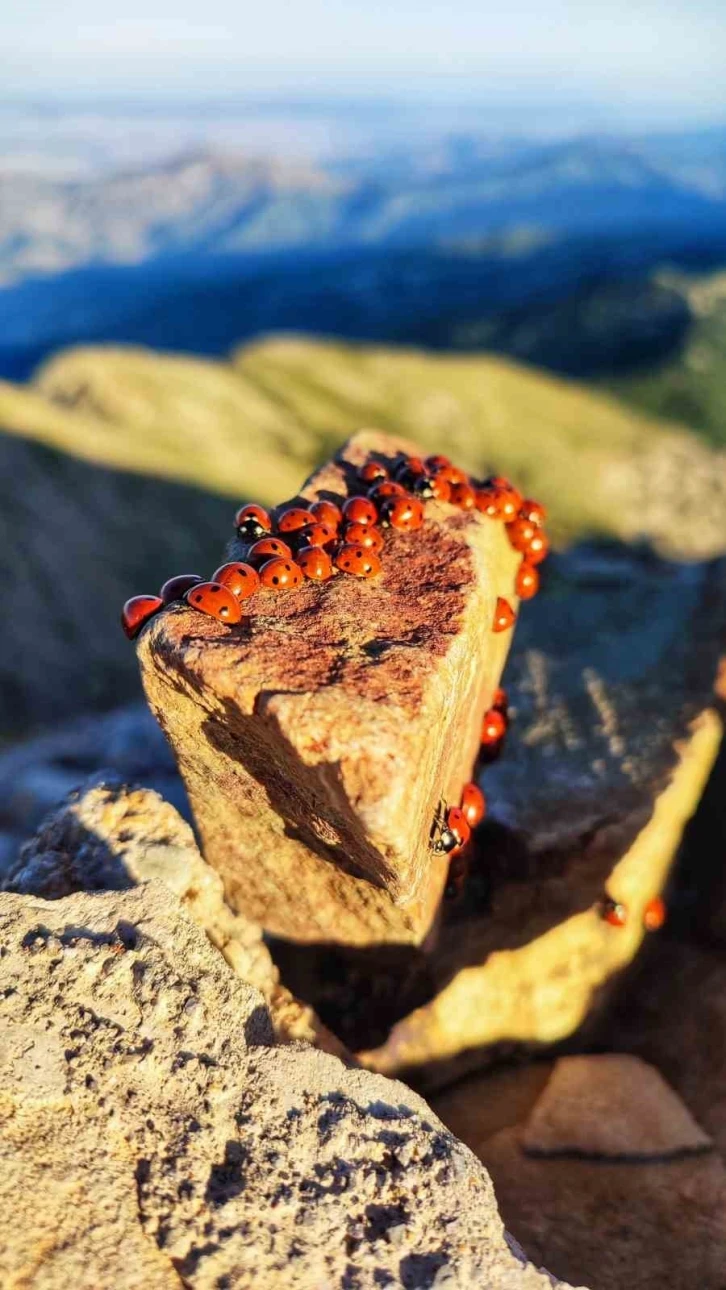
pixel 323 539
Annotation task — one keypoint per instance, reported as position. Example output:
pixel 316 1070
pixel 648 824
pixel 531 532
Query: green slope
pixel 119 467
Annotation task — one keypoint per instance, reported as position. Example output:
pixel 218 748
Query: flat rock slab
pixel 318 738
pixel 612 1106
pixel 151 1135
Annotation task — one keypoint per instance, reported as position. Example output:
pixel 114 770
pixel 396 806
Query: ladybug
pixel 217 601
pixel 526 583
pixel 137 612
pixel 654 914
pixel 403 513
pixel 441 488
pixel 316 534
pixel 437 461
pixel 408 468
pixel 473 804
pixel 456 821
pixel 366 535
pixel 538 548
pixel 462 495
pixel 315 563
pixel 382 492
pixel 252 522
pixel 177 588
pixel 494 727
pixel 489 502
pixel 357 560
pixel 446 842
pixel 614 912
pixel 372 473
pixel 327 513
pixel 453 475
pixel 504 615
pixel 422 486
pixel 511 499
pixel 359 510
pixel 266 548
pixel 294 518
pixel 241 579
pixel 501 700
pixel 520 533
pixel 533 511
pixel 281 574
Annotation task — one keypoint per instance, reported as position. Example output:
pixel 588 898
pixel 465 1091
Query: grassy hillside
pixel 119 467
pixel 691 385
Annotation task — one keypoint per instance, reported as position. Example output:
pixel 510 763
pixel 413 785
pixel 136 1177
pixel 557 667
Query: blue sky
pixel 661 59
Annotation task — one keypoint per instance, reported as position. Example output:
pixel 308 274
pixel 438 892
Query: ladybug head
pixel 251 529
pixel 446 842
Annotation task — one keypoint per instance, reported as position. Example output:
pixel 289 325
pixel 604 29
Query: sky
pixel 653 59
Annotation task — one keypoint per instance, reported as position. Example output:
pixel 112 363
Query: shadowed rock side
pixel 203 1155
pixel 612 738
pixel 600 1169
pixel 109 837
pixel 319 738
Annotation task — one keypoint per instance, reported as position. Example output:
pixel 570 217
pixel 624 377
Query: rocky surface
pixel 319 739
pixel 599 1200
pixel 612 738
pixel 186 1150
pixel 109 837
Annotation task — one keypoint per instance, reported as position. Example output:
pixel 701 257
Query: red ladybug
pixel 403 513
pixel 357 560
pixel 538 548
pixel 382 492
pixel 408 468
pixel 372 473
pixel 473 804
pixel 217 601
pixel 316 535
pixel 494 727
pixel 441 488
pixel 501 700
pixel 520 533
pixel 526 583
pixel 241 579
pixel 366 535
pixel 252 522
pixel 462 495
pixel 453 475
pixel 360 510
pixel 533 511
pixel 614 912
pixel 177 588
pixel 504 615
pixel 511 499
pixel 654 914
pixel 437 461
pixel 294 518
pixel 281 574
pixel 327 513
pixel 489 502
pixel 137 611
pixel 456 821
pixel 266 549
pixel 315 563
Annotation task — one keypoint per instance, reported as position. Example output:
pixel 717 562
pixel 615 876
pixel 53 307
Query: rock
pixel 613 1106
pixel 318 740
pixel 109 837
pixel 637 1222
pixel 151 1136
pixel 614 732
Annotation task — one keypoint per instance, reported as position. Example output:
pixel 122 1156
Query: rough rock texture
pixel 150 1136
pixel 109 837
pixel 633 1222
pixel 614 1106
pixel 612 737
pixel 319 737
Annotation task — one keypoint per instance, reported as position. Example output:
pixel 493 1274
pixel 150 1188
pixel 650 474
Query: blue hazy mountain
pixel 545 250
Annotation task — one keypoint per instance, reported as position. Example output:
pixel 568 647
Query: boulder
pixel 109 837
pixel 151 1134
pixel 319 738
